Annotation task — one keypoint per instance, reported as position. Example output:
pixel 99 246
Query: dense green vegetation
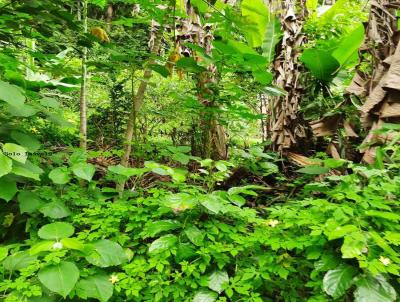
pixel 199 150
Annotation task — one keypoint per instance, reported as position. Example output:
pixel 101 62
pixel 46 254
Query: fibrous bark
pixel 286 128
pixel 381 86
pixel 214 139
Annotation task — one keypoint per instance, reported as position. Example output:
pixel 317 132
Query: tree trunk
pixel 82 16
pixel 214 139
pixel 137 102
pixel 286 128
pixel 381 87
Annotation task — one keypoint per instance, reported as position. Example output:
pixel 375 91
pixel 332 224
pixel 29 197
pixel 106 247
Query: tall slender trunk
pixel 137 102
pixel 286 128
pixel 82 16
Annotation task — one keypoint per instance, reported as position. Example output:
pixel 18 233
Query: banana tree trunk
pixel 381 87
pixel 286 128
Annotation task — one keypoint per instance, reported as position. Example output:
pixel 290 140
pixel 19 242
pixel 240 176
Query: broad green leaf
pixel 42 246
pixel 337 281
pixel 26 140
pixel 8 188
pixel 163 243
pixel 56 230
pixel 256 17
pixel 16 152
pixel 349 46
pixel 337 8
pixel 201 5
pixel 218 280
pixel 181 157
pixel 185 251
pixel 190 65
pixel 60 278
pixel 353 245
pixel 205 295
pixel 262 76
pixel 21 111
pixel 73 244
pixel 384 215
pixel 60 175
pixel 162 70
pixel 27 170
pixel 273 34
pixel 97 286
pixel 55 210
pixel 50 102
pixel 84 171
pixel 341 231
pixel 212 203
pixel 3 253
pixel 321 63
pixel 29 202
pixel 194 235
pixel 11 94
pixel 156 227
pixel 127 172
pixel 5 164
pixel 18 260
pixel 106 253
pixel 313 170
pixel 374 289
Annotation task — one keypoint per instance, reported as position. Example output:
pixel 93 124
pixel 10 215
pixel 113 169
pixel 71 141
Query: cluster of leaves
pixel 340 240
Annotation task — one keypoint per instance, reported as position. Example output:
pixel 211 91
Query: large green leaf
pixel 8 188
pixel 84 171
pixel 163 243
pixel 18 260
pixel 55 210
pixel 60 278
pixel 106 253
pixel 56 230
pixel 205 295
pixel 338 281
pixel 256 17
pixel 60 175
pixel 273 34
pixel 194 235
pixel 27 141
pixel 29 202
pixel 218 280
pixel 349 46
pixel 156 227
pixel 97 286
pixel 374 289
pixel 321 63
pixel 5 164
pixel 353 245
pixel 27 169
pixel 16 152
pixel 11 94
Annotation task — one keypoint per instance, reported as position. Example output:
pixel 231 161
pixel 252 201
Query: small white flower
pixel 385 261
pixel 57 246
pixel 273 223
pixel 114 279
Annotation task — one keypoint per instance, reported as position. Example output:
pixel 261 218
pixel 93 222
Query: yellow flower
pixel 34 130
pixel 273 223
pixel 385 261
pixel 113 279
